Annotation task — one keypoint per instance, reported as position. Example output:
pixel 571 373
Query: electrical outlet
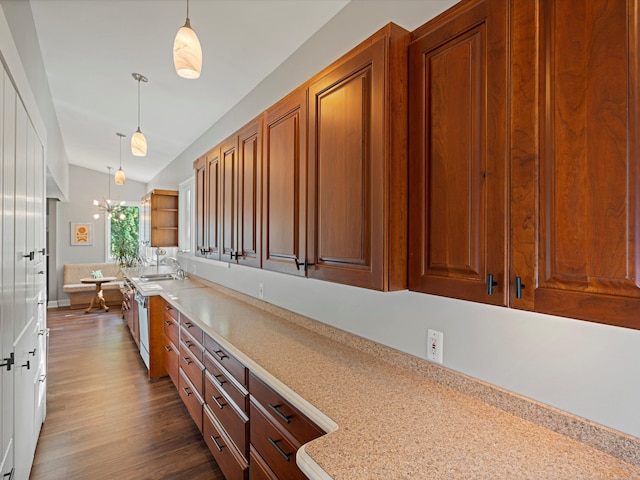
pixel 261 290
pixel 435 346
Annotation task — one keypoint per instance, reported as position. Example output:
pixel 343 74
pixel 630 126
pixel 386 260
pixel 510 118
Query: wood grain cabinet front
pixel 207 207
pixel 232 464
pixel 191 398
pixel 160 218
pixel 458 154
pixel 230 363
pixel 278 429
pixel 357 173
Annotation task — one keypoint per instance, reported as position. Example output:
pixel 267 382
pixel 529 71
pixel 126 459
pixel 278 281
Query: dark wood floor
pixel 105 420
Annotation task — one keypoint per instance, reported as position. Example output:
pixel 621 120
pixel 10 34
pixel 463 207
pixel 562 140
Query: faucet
pixel 159 252
pixel 176 264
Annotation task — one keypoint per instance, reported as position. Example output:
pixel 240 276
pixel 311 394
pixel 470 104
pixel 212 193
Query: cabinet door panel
pixel 229 156
pixel 346 171
pixel 458 156
pixel 585 201
pixel 213 205
pixel 200 167
pixel 249 176
pixel 284 192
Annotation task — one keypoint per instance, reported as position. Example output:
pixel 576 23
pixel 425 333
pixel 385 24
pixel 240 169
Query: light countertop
pixel 386 421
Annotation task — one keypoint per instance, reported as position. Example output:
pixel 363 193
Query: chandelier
pixel 108 207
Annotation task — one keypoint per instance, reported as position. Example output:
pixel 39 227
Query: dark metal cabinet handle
pixel 276 409
pixel 490 284
pixel 33 352
pixel 285 455
pixel 28 365
pixel 43 251
pixel 220 382
pixel 299 264
pixel 188 324
pixel 167 348
pixel 218 446
pixel 188 343
pixel 187 360
pixel 10 474
pixel 220 354
pixel 31 255
pixel 220 405
pixel 187 391
pixel 168 307
pixel 519 287
pixel 7 362
pixel 168 323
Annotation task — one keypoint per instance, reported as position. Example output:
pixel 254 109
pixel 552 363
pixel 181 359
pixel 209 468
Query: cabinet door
pixel 346 224
pixel 228 200
pixel 576 180
pixel 200 169
pixel 458 149
pixel 213 204
pixel 284 191
pixel 249 176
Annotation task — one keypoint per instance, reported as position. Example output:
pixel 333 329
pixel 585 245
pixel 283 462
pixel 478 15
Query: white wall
pixel 19 24
pixel 85 186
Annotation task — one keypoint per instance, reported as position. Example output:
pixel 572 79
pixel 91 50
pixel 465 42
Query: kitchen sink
pixel 156 276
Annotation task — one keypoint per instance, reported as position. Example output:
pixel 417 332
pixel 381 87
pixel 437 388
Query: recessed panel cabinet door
pixel 212 248
pixel 249 175
pixel 346 171
pixel 576 90
pixel 284 189
pixel 458 154
pixel 229 159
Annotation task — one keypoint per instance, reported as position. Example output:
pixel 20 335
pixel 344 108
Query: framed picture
pixel 81 233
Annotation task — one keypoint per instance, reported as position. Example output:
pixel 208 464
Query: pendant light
pixel 108 207
pixel 138 142
pixel 120 178
pixel 187 54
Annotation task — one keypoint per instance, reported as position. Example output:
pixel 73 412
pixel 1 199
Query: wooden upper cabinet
pixel 240 195
pixel 284 184
pixel 160 218
pixel 249 201
pixel 213 204
pixel 200 169
pixel 458 154
pixel 357 186
pixel 207 172
pixel 576 170
pixel 228 203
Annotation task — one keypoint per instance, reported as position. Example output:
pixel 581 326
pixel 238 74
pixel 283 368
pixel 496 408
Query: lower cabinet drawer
pixel 259 468
pixel 277 448
pixel 232 464
pixel 228 414
pixel 171 360
pixel 192 368
pixel 191 399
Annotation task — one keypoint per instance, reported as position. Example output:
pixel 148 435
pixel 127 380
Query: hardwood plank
pixel 104 418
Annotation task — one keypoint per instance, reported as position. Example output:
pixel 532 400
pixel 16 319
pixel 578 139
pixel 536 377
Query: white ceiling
pixel 91 47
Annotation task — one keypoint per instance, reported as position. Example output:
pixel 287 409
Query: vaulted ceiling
pixel 90 49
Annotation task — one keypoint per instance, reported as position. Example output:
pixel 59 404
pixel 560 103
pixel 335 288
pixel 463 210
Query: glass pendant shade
pixel 138 144
pixel 119 178
pixel 187 53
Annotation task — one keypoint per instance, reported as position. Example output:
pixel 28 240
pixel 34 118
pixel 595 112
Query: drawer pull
pixel 220 354
pixel 220 405
pixel 275 408
pixel 220 382
pixel 167 323
pixel 218 446
pixel 167 307
pixel 188 343
pixel 187 360
pixel 167 348
pixel 187 391
pixel 286 456
pixel 188 324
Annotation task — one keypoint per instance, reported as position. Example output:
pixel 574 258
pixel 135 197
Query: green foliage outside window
pixel 124 235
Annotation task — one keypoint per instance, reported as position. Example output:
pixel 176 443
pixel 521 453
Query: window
pixel 123 232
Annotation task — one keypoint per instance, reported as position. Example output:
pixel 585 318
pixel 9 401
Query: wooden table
pixel 99 298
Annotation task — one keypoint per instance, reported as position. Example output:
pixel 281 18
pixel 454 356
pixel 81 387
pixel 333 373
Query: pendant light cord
pixel 139 104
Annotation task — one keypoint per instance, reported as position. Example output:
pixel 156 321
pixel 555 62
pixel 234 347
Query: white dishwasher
pixel 143 320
